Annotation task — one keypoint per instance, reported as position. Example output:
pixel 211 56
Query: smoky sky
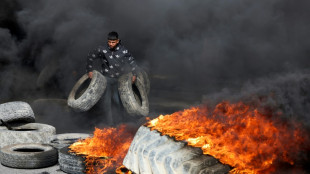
pixel 200 42
pixel 199 46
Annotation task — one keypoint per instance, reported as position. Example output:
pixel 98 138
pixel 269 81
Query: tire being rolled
pixel 28 156
pixel 16 111
pixel 27 133
pixel 129 101
pixel 91 95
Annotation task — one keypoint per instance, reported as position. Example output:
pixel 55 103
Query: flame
pixel 236 134
pixel 122 170
pixel 105 150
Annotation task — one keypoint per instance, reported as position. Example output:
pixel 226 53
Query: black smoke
pixel 188 47
pixel 283 97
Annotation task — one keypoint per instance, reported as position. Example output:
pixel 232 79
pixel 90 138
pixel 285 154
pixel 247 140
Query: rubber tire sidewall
pixel 28 160
pixel 43 134
pixel 92 94
pixel 16 111
pixel 70 163
pixel 127 96
pixel 143 74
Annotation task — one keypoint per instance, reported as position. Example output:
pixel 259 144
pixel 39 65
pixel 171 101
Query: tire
pixel 132 106
pixel 16 111
pixel 143 74
pixel 91 95
pixel 62 140
pixel 28 156
pixel 70 163
pixel 150 152
pixel 27 133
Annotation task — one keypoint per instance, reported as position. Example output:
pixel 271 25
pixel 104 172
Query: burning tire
pixel 27 133
pixel 28 156
pixel 152 153
pixel 70 163
pixel 128 93
pixel 92 93
pixel 62 140
pixel 16 111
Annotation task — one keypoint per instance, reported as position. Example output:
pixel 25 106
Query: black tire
pixel 27 133
pixel 132 106
pixel 91 95
pixel 28 156
pixel 62 140
pixel 150 152
pixel 16 111
pixel 70 162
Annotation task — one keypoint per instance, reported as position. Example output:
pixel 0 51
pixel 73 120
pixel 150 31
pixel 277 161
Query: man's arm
pixel 92 55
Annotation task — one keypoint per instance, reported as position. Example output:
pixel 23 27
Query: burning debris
pixel 151 152
pixel 105 150
pixel 263 134
pixel 238 135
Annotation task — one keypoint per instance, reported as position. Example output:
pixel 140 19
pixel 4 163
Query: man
pixel 116 60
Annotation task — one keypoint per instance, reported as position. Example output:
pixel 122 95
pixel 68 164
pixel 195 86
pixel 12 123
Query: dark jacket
pixel 115 62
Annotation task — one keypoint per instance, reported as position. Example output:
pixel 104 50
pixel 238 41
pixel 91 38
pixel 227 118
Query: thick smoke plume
pixel 199 47
pixel 282 96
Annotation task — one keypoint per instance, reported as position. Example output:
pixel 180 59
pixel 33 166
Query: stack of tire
pixel 134 97
pixel 23 143
pixel 69 162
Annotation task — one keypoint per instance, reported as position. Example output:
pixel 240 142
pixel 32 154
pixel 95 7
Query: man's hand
pixel 133 79
pixel 90 75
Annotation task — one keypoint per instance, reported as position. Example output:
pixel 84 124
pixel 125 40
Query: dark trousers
pixel 113 109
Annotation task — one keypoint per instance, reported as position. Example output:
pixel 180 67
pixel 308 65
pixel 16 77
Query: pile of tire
pixel 24 143
pixel 68 161
pixel 134 97
pixel 150 152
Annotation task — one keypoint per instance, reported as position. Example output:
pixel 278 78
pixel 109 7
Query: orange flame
pixel 105 150
pixel 236 134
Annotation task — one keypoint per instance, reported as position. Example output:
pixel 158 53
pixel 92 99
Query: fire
pixel 105 150
pixel 236 134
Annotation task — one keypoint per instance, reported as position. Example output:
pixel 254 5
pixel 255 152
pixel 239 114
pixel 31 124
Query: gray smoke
pixel 197 46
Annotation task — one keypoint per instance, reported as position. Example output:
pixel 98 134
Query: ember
pixel 236 134
pixel 106 150
pixel 122 170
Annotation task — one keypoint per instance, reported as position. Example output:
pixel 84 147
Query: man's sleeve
pixel 92 55
pixel 131 61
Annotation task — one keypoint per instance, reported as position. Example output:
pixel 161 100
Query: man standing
pixel 116 60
